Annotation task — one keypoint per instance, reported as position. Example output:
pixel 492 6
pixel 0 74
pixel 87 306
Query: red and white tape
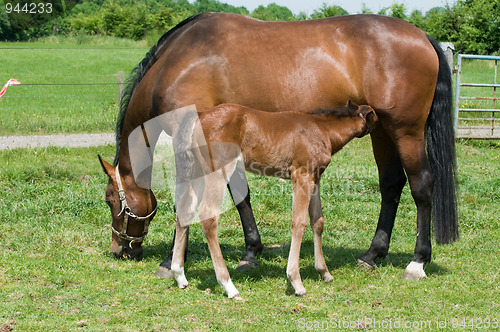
pixel 12 81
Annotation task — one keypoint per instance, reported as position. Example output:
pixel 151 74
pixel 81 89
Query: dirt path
pixel 73 140
pixel 87 140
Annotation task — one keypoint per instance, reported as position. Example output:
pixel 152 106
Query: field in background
pixel 57 272
pixel 66 88
pixel 483 72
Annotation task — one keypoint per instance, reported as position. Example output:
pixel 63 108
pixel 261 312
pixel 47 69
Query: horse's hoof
pixel 412 276
pixel 237 298
pixel 327 278
pixel 414 271
pixel 247 265
pixel 164 273
pixel 300 293
pixel 364 266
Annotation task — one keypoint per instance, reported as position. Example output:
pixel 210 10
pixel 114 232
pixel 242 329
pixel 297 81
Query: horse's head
pixel 132 209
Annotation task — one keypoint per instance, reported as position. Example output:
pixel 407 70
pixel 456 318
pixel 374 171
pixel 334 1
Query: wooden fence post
pixel 448 49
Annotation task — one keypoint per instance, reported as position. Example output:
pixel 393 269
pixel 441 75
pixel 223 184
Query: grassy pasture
pixel 478 71
pixel 48 109
pixel 57 272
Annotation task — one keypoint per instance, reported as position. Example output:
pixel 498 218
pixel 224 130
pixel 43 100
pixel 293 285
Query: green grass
pixel 57 272
pixel 29 109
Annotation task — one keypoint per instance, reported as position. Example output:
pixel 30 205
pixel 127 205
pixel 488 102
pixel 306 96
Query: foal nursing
pixel 290 145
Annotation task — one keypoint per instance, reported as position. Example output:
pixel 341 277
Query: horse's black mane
pixel 338 112
pixel 136 76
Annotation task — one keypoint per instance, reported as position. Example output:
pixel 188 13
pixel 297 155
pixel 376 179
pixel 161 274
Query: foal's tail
pixel 441 154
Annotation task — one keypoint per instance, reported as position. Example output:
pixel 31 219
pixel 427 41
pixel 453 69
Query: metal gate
pixel 475 118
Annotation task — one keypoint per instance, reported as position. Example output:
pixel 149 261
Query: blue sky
pixel 352 6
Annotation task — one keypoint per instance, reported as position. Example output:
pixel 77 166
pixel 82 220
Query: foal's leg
pixel 178 250
pixel 317 221
pixel 253 244
pixel 164 270
pixel 209 214
pixel 303 186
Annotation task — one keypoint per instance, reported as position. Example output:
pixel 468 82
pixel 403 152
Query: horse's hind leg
pixel 391 181
pixel 414 158
pixel 317 221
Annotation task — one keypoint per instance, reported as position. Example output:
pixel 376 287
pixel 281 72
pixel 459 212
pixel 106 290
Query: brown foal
pixel 290 145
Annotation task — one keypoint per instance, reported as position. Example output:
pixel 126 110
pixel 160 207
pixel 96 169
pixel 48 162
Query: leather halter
pixel 127 212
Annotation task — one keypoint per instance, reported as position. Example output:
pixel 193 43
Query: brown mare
pixel 387 63
pixel 290 145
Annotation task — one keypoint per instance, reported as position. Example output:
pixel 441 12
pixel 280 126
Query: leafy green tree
pixel 417 18
pixel 201 6
pixel 397 10
pixel 479 26
pixel 89 24
pixel 441 23
pixel 5 29
pixel 329 11
pixel 273 12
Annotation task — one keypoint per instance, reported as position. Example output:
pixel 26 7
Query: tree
pixel 417 19
pixel 441 23
pixel 201 6
pixel 273 12
pixel 397 10
pixel 329 11
pixel 479 26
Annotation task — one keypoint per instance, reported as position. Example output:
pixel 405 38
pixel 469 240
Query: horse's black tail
pixel 441 154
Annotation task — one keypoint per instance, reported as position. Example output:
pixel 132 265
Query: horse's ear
pixel 368 113
pixel 106 167
pixel 352 105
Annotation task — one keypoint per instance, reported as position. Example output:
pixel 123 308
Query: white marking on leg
pixel 179 276
pixel 414 271
pixel 229 288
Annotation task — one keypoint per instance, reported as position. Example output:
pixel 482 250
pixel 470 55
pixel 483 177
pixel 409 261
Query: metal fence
pixel 477 121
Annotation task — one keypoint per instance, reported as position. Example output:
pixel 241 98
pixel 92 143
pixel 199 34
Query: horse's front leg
pixel 317 221
pixel 178 251
pixel 164 270
pixel 223 278
pixel 253 244
pixel 303 186
pixel 209 214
